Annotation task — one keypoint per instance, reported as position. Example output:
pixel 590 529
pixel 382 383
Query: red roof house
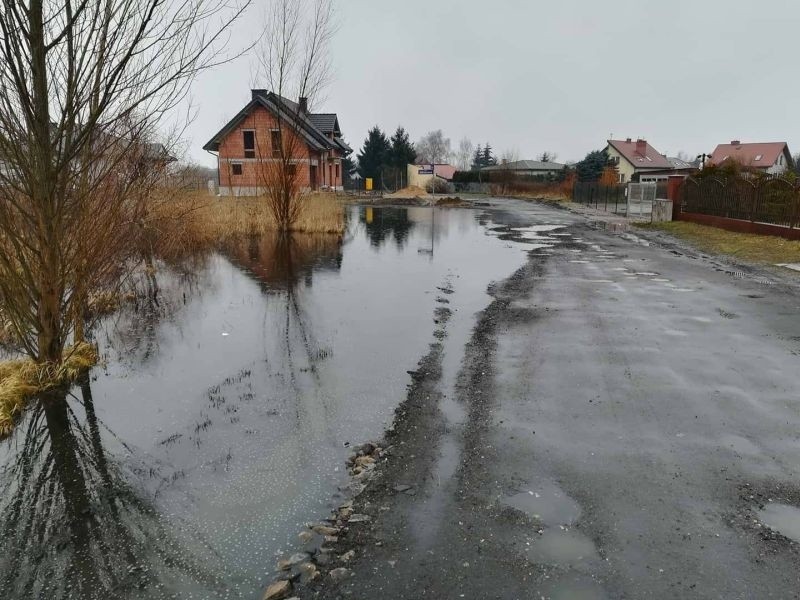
pixel 634 158
pixel 770 157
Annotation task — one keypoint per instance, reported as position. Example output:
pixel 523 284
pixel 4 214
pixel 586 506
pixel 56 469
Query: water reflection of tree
pixel 385 222
pixel 279 262
pixel 72 524
pixel 156 295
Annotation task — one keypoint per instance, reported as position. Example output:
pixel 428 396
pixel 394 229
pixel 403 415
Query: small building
pixel 634 160
pixel 420 175
pixel 250 142
pixel 526 168
pixel 679 167
pixel 770 157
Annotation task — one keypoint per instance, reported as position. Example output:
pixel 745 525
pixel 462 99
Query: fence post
pixel 674 185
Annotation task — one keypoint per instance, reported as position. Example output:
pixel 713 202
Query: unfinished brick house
pixel 251 141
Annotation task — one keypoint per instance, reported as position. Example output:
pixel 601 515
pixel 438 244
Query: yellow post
pixel 369 184
pixel 369 215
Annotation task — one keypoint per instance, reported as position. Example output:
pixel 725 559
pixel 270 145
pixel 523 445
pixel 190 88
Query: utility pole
pixel 703 158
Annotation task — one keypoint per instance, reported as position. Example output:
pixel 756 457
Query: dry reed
pixel 22 379
pixel 186 222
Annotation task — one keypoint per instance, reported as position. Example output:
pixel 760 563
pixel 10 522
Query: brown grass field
pixel 181 223
pixel 749 247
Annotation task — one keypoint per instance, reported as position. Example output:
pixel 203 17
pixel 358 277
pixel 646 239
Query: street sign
pixel 425 171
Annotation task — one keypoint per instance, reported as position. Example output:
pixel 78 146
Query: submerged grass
pixel 750 247
pixel 22 379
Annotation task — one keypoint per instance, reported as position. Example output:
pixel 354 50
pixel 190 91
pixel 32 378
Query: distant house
pixel 526 168
pixel 251 141
pixel 635 160
pixel 770 157
pixel 678 167
pixel 420 175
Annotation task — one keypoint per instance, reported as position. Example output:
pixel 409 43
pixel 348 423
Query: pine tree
pixel 477 159
pixel 591 168
pixel 488 158
pixel 374 155
pixel 402 152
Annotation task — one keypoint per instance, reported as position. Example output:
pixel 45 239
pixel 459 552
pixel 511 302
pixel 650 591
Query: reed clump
pixel 181 223
pixel 22 379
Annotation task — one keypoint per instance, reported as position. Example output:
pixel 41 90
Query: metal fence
pixel 774 200
pixel 603 197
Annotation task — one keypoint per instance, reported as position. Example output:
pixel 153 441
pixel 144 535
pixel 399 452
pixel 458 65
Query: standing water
pixel 222 416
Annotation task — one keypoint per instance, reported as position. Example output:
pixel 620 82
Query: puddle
pixel 539 228
pixel 561 547
pixel 192 458
pixel 546 503
pixel 782 518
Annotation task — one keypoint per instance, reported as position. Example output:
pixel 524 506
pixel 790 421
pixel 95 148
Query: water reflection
pixel 74 526
pixel 279 262
pixel 384 223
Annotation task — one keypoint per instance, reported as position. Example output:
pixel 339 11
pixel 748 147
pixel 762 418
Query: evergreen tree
pixel 374 155
pixel 477 158
pixel 402 152
pixel 591 168
pixel 488 158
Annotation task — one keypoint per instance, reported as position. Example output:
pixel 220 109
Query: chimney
pixel 256 93
pixel 736 143
pixel 628 140
pixel 641 147
pixel 303 105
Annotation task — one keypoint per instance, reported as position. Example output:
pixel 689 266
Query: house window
pixel 337 171
pixel 236 168
pixel 249 144
pixel 277 143
pixel 622 177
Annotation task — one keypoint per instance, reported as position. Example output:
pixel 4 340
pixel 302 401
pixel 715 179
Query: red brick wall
pixel 262 122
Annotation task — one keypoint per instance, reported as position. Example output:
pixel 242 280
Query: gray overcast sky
pixel 531 75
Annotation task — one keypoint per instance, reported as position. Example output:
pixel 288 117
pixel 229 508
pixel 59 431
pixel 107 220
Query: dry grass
pixel 185 222
pixel 22 379
pixel 745 246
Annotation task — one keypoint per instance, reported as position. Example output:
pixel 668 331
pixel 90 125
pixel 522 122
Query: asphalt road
pixel 623 412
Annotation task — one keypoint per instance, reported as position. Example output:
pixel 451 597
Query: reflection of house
pixel 420 175
pixel 282 262
pixel 382 223
pixel 527 168
pixel 770 157
pixel 252 141
pixel 634 160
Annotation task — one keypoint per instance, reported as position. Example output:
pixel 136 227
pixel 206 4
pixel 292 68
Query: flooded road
pixel 230 394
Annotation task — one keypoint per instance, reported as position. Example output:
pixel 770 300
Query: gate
pixel 641 197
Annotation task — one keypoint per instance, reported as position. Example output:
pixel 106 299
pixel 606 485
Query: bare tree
pixel 295 63
pixel 434 148
pixel 465 154
pixel 84 88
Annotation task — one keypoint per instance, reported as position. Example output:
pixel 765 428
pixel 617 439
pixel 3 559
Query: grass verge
pixel 22 379
pixel 749 247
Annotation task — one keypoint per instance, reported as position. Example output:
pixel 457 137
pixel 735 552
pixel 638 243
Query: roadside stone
pixel 331 539
pixel 348 556
pixel 358 518
pixel 345 513
pixel 363 461
pixel 402 488
pixel 339 574
pixel 305 536
pixel 279 590
pixel 325 530
pixel 309 570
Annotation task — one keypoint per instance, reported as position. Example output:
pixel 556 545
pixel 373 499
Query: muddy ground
pixel 623 412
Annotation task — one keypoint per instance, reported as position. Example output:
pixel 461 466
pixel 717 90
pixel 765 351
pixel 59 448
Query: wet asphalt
pixel 624 415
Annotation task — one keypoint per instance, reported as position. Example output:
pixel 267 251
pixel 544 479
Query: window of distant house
pixel 249 144
pixel 622 177
pixel 759 156
pixel 236 168
pixel 337 171
pixel 275 139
